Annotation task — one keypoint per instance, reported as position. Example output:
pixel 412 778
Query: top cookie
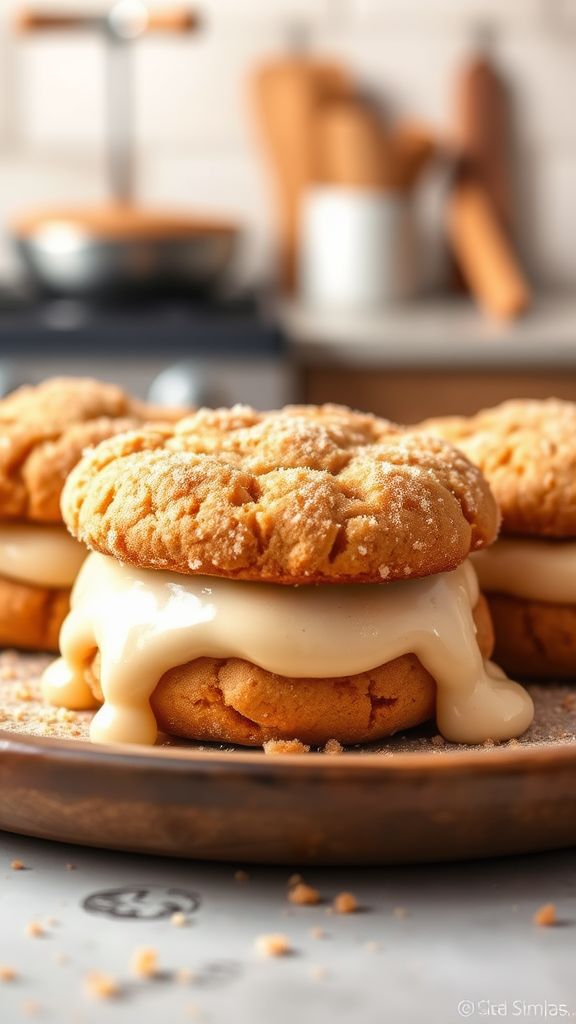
pixel 43 432
pixel 304 495
pixel 527 451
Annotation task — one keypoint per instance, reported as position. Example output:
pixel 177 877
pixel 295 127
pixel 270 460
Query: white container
pixel 357 248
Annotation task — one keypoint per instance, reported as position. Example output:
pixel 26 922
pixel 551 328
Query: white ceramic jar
pixel 357 248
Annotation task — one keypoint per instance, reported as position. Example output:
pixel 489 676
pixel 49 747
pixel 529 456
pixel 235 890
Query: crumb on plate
pixel 285 747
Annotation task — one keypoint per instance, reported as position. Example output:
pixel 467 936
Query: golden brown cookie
pixel 526 449
pixel 44 431
pixel 534 639
pixel 30 617
pixel 233 701
pixel 305 495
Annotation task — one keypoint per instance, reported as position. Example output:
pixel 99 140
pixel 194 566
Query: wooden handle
pixel 176 20
pixel 484 254
pixel 351 139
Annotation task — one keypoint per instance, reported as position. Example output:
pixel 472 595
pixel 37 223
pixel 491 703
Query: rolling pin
pixel 482 132
pixel 288 94
pixel 175 20
pixel 484 253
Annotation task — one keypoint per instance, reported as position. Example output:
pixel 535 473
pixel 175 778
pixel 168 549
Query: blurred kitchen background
pixel 363 201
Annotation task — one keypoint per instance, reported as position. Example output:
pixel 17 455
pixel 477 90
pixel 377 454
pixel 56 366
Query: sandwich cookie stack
pixel 527 451
pixel 43 432
pixel 300 574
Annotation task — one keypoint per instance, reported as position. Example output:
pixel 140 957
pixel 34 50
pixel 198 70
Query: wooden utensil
pixel 173 20
pixel 412 146
pixel 351 142
pixel 484 253
pixel 482 132
pixel 287 94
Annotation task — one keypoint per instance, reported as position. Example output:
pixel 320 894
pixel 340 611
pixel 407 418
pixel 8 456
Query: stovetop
pixel 174 323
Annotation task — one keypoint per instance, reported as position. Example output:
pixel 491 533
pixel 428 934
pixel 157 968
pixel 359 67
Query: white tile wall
pixel 195 142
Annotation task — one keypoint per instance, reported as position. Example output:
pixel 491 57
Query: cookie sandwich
pixel 43 432
pixel 527 451
pixel 300 574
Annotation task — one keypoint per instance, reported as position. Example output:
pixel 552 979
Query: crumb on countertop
pixel 545 916
pixel 101 986
pixel 178 919
pixel 273 945
pixel 35 930
pixel 318 972
pixel 400 913
pixel 144 962
pixel 7 973
pixel 285 747
pixel 17 865
pixel 304 895
pixel 345 903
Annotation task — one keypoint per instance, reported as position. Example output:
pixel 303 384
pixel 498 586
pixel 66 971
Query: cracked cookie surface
pixel 304 495
pixel 527 452
pixel 43 432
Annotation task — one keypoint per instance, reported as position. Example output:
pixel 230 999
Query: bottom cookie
pixel 534 639
pixel 233 701
pixel 31 617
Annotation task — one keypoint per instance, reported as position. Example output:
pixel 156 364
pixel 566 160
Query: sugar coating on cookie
pixel 304 495
pixel 46 428
pixel 526 449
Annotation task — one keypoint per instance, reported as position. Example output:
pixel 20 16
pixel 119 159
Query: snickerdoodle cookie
pixel 307 495
pixel 43 432
pixel 297 574
pixel 527 451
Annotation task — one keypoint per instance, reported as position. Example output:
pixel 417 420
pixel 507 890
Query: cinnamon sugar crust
pixel 304 495
pixel 526 449
pixel 44 430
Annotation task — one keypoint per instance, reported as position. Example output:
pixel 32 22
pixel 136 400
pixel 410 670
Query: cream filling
pixel 537 570
pixel 44 556
pixel 145 622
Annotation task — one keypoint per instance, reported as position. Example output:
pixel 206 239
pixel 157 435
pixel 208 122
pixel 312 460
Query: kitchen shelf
pixel 437 334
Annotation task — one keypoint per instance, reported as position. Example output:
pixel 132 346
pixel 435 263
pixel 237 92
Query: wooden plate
pixel 409 799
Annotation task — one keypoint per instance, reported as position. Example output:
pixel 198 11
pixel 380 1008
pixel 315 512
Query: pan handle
pixel 174 20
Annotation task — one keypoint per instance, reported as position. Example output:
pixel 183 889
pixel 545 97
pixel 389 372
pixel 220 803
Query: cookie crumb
pixel 438 741
pixel 144 962
pixel 345 903
pixel 304 895
pixel 333 747
pixel 17 865
pixel 318 972
pixel 35 930
pixel 31 1007
pixel 184 976
pixel 241 875
pixel 318 933
pixel 372 946
pixel 285 747
pixel 178 919
pixel 400 913
pixel 546 916
pixel 7 973
pixel 273 945
pixel 101 986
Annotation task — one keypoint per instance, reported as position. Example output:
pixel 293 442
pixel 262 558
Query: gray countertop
pixel 463 947
pixel 435 333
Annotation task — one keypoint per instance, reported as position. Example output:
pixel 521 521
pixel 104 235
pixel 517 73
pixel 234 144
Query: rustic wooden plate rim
pixel 166 759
